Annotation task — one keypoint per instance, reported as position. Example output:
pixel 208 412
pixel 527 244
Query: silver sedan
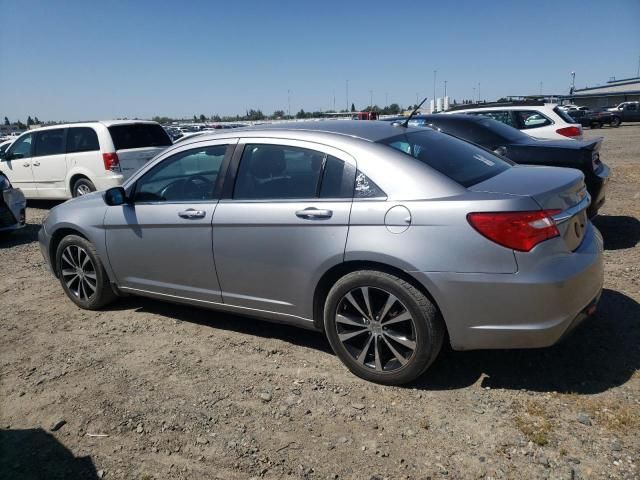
pixel 388 239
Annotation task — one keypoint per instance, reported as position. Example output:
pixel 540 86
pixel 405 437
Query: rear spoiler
pixel 593 145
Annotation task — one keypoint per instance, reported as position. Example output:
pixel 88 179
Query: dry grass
pixel 532 421
pixel 614 416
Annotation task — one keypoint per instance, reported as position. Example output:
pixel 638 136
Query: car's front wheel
pixel 382 328
pixel 82 274
pixel 615 122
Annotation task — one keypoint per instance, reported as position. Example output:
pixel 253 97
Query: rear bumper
pixel 528 309
pixel 104 183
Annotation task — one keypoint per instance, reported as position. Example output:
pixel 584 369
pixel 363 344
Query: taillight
pixel 517 230
pixel 570 131
pixel 111 161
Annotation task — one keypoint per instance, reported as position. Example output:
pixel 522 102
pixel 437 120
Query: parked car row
pixel 68 160
pixel 386 237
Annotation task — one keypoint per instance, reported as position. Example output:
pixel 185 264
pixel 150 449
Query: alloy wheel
pixel 83 189
pixel 376 328
pixel 78 272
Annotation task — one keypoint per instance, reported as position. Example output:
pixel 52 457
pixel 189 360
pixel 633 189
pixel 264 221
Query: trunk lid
pixel 552 188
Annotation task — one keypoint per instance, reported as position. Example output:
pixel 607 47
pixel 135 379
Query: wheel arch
pixel 336 272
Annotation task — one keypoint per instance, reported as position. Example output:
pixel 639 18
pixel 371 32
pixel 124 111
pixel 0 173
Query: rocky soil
pixel 148 390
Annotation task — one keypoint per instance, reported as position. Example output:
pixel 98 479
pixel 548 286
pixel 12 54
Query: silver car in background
pixel 386 238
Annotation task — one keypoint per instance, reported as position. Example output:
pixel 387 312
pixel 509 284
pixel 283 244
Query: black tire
pixel 96 276
pixel 427 328
pixel 615 122
pixel 596 125
pixel 82 186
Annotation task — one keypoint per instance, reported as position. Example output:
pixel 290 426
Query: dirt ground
pixel 146 389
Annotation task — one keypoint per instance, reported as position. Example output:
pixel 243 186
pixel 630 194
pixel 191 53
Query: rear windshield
pixel 460 161
pixel 139 135
pixel 563 115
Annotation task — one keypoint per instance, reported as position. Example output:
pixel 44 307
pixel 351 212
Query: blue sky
pixel 72 60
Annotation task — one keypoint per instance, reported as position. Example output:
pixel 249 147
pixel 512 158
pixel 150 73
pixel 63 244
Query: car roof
pixel 106 123
pixel 369 130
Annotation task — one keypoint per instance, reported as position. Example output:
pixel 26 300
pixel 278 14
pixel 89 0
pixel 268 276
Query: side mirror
pixel 502 151
pixel 115 196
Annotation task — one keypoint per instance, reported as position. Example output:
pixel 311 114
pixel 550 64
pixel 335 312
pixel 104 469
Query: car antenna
pixel 405 124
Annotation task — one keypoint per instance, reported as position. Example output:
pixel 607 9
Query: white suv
pixel 539 120
pixel 67 160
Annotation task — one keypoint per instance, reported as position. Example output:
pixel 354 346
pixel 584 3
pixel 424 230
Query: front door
pixel 162 241
pixel 49 163
pixel 285 222
pixel 17 165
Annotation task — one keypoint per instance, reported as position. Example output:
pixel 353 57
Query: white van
pixel 68 160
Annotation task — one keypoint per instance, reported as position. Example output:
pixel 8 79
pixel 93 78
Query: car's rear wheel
pixel 615 122
pixel 382 328
pixel 596 125
pixel 81 273
pixel 82 186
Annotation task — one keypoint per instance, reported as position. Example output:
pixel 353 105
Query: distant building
pixel 609 95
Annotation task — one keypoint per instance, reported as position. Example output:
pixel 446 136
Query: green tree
pixel 278 114
pixel 203 118
pixel 301 114
pixel 36 121
pixel 353 107
pixel 195 119
pixel 29 121
pixel 6 121
pixel 216 118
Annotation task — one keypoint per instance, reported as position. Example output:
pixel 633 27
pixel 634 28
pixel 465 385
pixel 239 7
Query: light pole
pixel 540 88
pixel 288 103
pixel 474 94
pixel 478 92
pixel 445 88
pixel 347 95
pixel 435 73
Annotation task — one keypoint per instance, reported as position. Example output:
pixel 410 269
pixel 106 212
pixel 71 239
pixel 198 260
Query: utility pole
pixel 435 73
pixel 541 88
pixel 474 94
pixel 445 88
pixel 334 100
pixel 479 92
pixel 573 82
pixel 416 99
pixel 288 103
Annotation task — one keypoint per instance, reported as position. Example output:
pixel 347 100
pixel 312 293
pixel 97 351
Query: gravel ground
pixel 146 389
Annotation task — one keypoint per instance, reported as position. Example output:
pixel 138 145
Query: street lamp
pixel 435 72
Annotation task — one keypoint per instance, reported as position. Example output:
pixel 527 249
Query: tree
pixel 21 126
pixel 216 118
pixel 278 114
pixel 203 118
pixel 36 121
pixel 301 114
pixel 6 121
pixel 29 121
pixel 353 107
pixel 195 119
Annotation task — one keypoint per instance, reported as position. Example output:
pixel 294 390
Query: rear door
pixel 49 163
pixel 17 165
pixel 137 143
pixel 285 221
pixel 161 242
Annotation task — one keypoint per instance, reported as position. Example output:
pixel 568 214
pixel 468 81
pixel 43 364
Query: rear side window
pixel 82 139
pixel 532 119
pixel 49 142
pixel 281 172
pixel 460 161
pixel 139 135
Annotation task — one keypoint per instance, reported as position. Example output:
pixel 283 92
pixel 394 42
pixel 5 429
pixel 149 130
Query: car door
pixel 285 221
pixel 631 112
pixel 16 165
pixel 49 164
pixel 161 241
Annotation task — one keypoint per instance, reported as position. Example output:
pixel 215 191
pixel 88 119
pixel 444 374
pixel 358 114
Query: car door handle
pixel 191 213
pixel 311 213
pixel 37 164
pixel 26 164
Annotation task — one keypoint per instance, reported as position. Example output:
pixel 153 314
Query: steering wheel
pixel 196 184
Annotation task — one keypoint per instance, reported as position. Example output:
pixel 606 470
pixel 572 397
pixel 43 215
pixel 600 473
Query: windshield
pixel 462 162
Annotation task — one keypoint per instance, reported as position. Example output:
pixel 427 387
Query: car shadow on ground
pixel 28 234
pixel 618 232
pixel 35 454
pixel 602 353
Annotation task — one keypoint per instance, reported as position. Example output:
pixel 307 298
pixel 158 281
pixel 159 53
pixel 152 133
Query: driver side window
pixel 188 176
pixel 21 148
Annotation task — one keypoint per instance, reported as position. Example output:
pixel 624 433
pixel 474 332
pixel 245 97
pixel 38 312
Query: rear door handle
pixel 313 213
pixel 26 164
pixel 37 164
pixel 191 213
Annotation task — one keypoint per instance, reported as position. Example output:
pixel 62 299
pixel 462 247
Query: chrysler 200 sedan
pixel 386 238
